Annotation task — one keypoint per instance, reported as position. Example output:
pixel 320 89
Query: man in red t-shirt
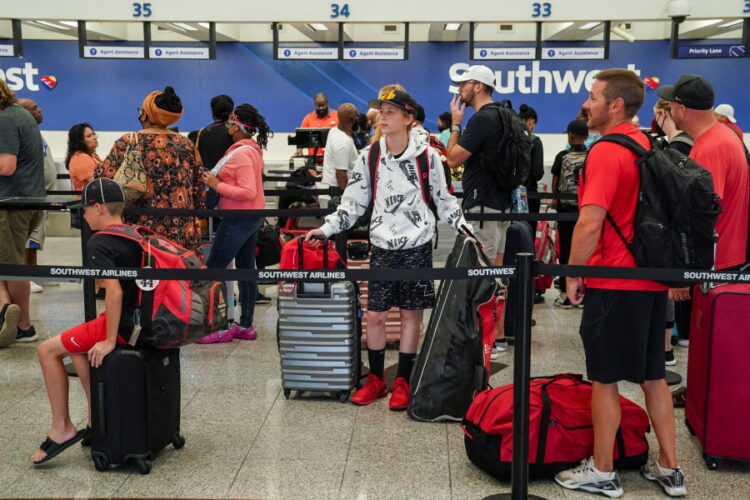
pixel 719 150
pixel 623 322
pixel 322 117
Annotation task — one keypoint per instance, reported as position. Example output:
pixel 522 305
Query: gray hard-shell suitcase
pixel 319 330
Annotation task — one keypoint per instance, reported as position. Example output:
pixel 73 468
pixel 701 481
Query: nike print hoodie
pixel 400 219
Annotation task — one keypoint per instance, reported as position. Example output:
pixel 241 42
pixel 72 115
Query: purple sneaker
pixel 221 336
pixel 248 333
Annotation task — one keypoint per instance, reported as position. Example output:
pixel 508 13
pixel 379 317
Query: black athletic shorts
pixel 410 295
pixel 623 335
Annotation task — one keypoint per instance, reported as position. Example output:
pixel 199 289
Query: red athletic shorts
pixel 81 338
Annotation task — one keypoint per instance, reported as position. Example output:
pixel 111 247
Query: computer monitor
pixel 309 137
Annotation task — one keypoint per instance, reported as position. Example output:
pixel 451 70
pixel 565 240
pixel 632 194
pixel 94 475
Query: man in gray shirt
pixel 36 241
pixel 21 174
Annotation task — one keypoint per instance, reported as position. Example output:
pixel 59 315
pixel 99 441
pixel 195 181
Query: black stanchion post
pixel 521 375
pixel 89 293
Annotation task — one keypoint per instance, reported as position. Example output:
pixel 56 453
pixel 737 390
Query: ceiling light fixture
pixel 452 27
pixel 731 23
pixel 52 25
pixel 185 27
pixel 318 26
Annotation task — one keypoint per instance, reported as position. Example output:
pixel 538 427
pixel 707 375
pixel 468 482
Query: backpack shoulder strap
pixel 624 141
pixel 373 163
pixel 423 167
pixel 128 231
pixel 683 139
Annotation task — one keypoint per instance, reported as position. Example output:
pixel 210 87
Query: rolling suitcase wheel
pixel 287 393
pixel 344 396
pixel 711 462
pixel 143 466
pixel 100 463
pixel 178 442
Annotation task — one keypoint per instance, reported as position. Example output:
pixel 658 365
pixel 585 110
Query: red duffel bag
pixel 560 429
pixel 296 254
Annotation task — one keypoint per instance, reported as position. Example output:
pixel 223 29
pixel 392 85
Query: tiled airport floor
pixel 244 440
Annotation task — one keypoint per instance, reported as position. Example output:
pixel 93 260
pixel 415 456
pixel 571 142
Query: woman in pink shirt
pixel 82 158
pixel 238 179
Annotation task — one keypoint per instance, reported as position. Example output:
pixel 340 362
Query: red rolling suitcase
pixel 718 397
pixel 546 250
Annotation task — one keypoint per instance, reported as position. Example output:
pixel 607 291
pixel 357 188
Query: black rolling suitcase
pixel 135 407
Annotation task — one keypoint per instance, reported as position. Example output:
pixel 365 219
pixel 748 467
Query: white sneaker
pixel 35 288
pixel 672 481
pixel 586 477
pixel 498 347
pixel 563 301
pixel 683 343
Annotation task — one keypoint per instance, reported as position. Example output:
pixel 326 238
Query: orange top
pixel 81 168
pixel 311 120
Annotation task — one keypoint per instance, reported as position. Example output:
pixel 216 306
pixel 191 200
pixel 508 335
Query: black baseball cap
pixel 691 91
pixel 102 190
pixel 420 116
pixel 398 98
pixel 578 127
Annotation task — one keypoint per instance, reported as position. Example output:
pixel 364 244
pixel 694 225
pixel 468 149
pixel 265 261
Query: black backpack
pixel 511 164
pixel 676 211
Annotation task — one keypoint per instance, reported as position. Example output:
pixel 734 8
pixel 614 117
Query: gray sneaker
pixel 672 481
pixel 9 316
pixel 498 347
pixel 586 477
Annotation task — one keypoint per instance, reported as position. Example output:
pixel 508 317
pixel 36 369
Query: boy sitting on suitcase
pixel 90 342
pixel 401 232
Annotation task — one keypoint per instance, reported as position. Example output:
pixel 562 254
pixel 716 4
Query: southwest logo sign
pixel 49 81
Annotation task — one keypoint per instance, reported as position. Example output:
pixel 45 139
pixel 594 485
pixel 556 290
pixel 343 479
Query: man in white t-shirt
pixel 340 152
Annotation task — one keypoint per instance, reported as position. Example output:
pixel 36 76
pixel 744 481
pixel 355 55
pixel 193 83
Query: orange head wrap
pixel 155 114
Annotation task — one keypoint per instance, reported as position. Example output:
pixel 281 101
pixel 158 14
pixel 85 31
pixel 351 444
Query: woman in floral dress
pixel 174 169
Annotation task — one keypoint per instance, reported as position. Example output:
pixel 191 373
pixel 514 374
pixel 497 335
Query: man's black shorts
pixel 623 335
pixel 410 295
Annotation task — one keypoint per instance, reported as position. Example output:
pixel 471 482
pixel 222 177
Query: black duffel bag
pixel 268 250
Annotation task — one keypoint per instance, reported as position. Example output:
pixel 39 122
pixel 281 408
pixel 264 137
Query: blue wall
pixel 106 93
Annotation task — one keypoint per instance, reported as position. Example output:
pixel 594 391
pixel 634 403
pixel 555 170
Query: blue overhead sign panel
pixel 710 51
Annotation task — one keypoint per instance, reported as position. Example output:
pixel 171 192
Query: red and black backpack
pixel 172 313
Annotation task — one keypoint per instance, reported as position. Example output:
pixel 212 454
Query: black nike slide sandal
pixel 52 449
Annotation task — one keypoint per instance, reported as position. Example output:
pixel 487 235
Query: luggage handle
pixel 300 253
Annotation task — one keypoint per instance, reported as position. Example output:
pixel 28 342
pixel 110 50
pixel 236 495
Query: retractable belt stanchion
pixel 89 289
pixel 521 378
